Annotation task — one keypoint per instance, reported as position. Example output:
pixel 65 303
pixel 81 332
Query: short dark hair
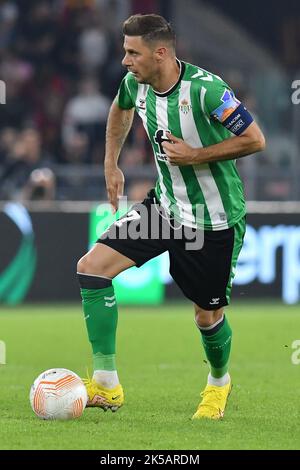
pixel 151 27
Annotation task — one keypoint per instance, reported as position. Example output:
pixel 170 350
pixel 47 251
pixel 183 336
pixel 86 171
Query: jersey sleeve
pixel 125 94
pixel 222 106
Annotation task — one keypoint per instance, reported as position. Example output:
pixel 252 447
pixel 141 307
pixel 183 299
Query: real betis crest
pixel 185 106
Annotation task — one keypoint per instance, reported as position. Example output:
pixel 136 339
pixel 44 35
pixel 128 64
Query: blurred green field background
pixel 161 366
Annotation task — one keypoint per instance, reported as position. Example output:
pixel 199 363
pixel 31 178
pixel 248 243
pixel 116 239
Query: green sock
pixel 217 343
pixel 101 316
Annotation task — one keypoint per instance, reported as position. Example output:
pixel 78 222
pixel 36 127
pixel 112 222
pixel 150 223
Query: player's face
pixel 139 59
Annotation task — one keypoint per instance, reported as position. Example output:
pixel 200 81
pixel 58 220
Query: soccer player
pixel 197 128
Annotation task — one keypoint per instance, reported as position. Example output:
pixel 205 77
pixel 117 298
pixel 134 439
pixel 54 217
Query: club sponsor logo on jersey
pixel 160 137
pixel 185 106
pixel 230 103
pixel 161 157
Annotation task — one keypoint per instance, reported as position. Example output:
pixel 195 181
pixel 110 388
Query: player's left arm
pixel 250 141
pixel 223 107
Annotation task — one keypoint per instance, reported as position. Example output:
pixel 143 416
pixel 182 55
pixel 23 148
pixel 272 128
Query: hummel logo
pixel 109 298
pixel 116 397
pixel 214 301
pixel 86 317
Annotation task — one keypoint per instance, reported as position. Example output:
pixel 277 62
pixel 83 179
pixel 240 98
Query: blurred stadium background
pixel 60 66
pixel 60 61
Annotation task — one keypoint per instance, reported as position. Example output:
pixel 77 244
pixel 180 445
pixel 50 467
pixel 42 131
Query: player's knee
pixel 207 318
pixel 82 265
pixel 86 265
pixel 94 265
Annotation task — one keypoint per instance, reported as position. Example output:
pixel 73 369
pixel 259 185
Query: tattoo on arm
pixel 125 126
pixel 118 126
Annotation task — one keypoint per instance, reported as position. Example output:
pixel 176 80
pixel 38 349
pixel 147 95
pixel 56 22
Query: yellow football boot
pixel 105 398
pixel 213 402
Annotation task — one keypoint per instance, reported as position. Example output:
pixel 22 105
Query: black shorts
pixel 202 263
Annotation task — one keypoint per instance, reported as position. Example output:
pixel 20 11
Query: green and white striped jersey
pixel 186 110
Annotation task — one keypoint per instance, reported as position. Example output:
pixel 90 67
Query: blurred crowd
pixel 61 63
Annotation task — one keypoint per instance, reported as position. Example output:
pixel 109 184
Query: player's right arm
pixel 118 126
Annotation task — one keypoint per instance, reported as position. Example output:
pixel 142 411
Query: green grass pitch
pixel 162 369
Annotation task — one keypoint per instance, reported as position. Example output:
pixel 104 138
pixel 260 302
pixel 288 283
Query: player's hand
pixel 178 152
pixel 114 185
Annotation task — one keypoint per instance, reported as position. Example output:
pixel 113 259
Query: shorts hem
pixel 138 263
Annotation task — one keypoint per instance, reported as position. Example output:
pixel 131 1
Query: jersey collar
pixel 173 88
